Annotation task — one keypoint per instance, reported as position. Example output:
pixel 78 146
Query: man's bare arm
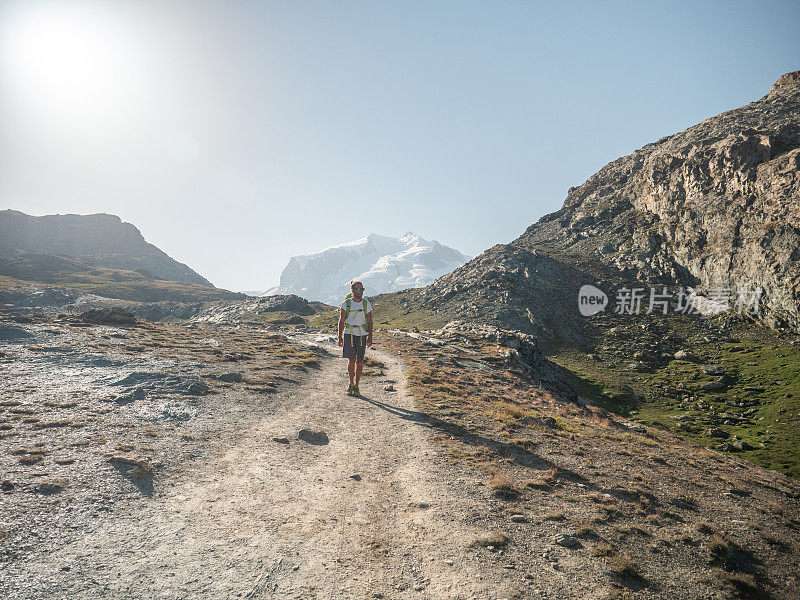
pixel 369 328
pixel 342 318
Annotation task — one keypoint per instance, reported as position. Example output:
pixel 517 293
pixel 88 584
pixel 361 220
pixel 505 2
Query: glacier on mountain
pixel 383 264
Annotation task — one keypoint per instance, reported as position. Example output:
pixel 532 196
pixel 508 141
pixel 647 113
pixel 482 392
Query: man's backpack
pixel 348 302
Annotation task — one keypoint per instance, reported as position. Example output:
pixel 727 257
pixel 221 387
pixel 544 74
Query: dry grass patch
pixel 725 553
pixel 587 532
pixel 704 528
pixel 545 480
pixel 555 516
pixel 144 470
pixel 635 530
pixel 495 538
pixel 602 550
pixel 599 498
pixel 502 487
pixel 624 569
pixel 604 514
pixel 53 424
pixel 31 459
pixel 744 585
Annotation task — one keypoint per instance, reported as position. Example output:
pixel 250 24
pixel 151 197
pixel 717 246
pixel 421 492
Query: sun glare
pixel 71 64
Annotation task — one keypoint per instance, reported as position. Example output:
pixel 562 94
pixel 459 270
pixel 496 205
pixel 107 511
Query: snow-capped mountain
pixel 383 264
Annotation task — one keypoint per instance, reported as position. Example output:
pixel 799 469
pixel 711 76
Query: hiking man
pixel 355 324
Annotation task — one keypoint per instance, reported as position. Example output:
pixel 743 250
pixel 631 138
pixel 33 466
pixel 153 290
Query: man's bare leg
pixel 359 368
pixel 351 368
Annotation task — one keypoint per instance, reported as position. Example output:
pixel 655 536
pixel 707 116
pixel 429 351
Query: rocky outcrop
pixel 514 288
pixel 715 206
pixel 100 239
pixel 289 303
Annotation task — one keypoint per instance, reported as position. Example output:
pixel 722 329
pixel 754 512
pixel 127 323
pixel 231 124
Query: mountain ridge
pixel 102 239
pixel 382 263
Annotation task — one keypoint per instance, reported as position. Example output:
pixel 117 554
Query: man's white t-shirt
pixel 356 322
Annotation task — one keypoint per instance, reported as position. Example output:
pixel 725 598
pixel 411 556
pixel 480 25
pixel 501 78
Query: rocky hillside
pixel 101 240
pixel 715 206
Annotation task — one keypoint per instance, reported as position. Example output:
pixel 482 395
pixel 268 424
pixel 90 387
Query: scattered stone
pixel 717 433
pixel 712 369
pixel 50 487
pixel 389 388
pixel 198 388
pixel 683 355
pixel 548 422
pixel 288 303
pixel 637 427
pixel 686 503
pixel 108 316
pixel 290 320
pixel 566 540
pixel 318 438
pixel 169 410
pixel 518 518
pixel 742 445
pixel 356 477
pixel 7 485
pixel 718 384
pixel 12 332
pixel 137 394
pixel 281 440
pixel 164 382
pixel 230 377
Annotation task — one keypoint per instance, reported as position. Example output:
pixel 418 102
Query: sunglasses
pixel 358 287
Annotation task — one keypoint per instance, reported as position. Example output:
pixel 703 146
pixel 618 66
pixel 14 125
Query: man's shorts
pixel 356 349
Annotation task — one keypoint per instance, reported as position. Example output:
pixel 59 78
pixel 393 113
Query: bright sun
pixel 72 64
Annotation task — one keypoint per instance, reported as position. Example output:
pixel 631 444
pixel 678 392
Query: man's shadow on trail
pixel 519 455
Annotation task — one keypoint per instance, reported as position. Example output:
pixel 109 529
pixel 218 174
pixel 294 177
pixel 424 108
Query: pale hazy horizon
pixel 235 135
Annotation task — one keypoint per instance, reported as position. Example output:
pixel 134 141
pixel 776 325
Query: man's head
pixel 357 288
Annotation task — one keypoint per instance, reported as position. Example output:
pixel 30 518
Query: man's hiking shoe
pixel 355 391
pixel 350 389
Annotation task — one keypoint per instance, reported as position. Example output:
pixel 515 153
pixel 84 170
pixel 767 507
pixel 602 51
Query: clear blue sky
pixel 236 134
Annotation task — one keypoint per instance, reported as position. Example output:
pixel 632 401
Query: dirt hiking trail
pixel 373 513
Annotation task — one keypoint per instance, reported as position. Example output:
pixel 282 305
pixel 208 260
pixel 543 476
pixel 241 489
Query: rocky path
pixel 371 513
